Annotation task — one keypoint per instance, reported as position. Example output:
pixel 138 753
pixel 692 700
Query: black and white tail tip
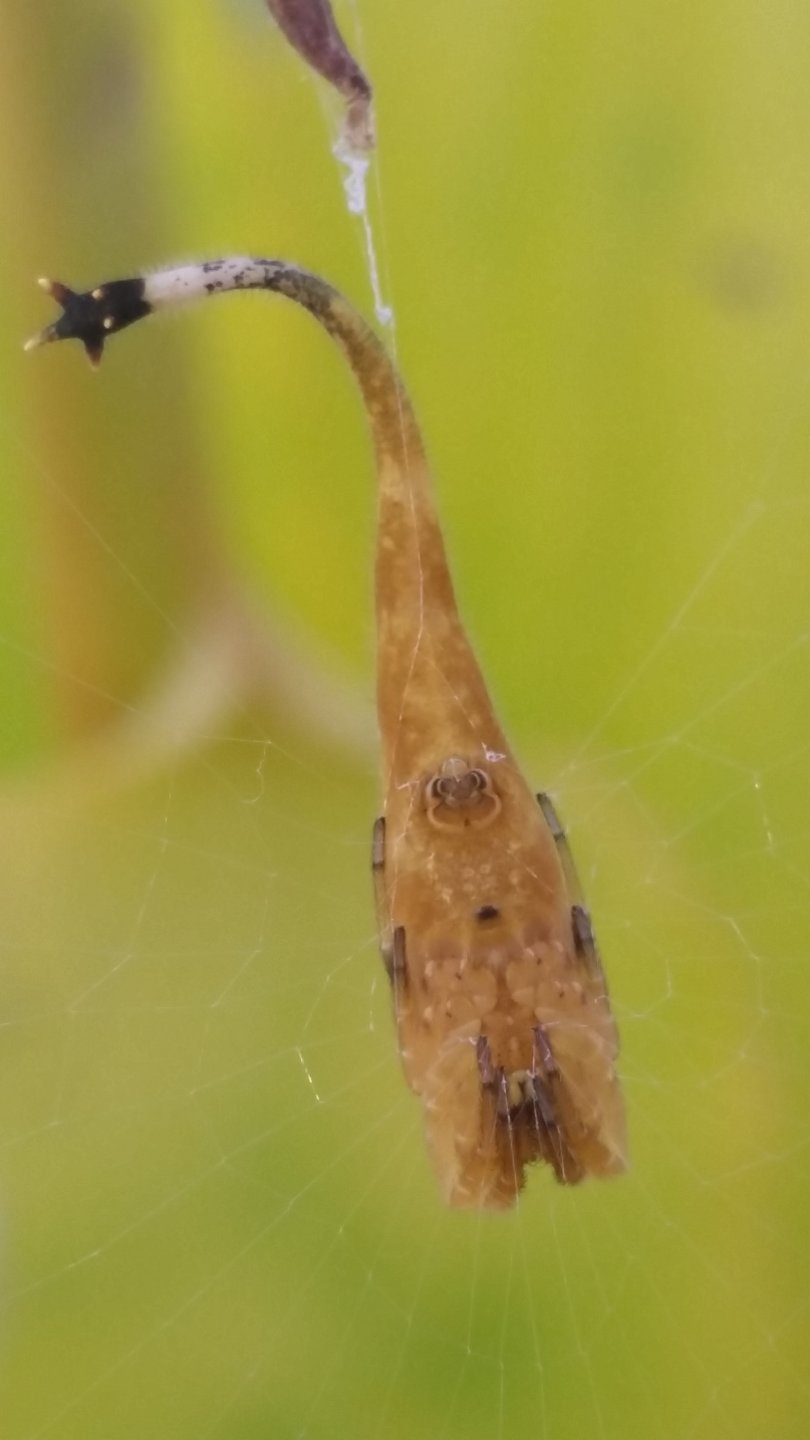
pixel 92 315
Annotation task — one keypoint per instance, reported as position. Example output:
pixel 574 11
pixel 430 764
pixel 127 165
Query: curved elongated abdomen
pixel 504 1023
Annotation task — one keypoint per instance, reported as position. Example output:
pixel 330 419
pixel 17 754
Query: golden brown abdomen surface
pixel 504 1025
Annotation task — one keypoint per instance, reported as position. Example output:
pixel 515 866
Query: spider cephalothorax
pixel 460 794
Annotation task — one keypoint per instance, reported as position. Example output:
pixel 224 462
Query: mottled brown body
pixel 503 1018
pixel 504 1022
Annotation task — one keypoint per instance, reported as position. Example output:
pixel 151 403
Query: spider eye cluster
pixel 458 790
pixel 458 793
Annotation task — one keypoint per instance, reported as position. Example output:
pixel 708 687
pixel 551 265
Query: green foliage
pixel 218 1217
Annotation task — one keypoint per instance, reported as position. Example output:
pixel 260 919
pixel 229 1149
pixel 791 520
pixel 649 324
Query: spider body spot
pixel 487 912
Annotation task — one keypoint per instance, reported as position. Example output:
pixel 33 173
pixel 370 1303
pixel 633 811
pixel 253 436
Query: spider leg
pixel 378 844
pixel 380 899
pixel 543 1050
pixel 584 939
pixel 483 1055
pixel 539 1095
pixel 550 815
pixel 560 839
pixel 508 1088
pixel 540 1084
pixel 503 1104
pixel 398 967
pixel 583 934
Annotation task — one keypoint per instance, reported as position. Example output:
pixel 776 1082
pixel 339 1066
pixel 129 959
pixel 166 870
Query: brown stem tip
pixel 310 27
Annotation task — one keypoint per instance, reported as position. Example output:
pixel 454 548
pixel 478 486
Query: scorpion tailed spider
pixel 504 1023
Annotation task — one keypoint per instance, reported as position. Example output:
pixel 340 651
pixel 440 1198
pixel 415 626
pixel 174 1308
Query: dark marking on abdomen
pixel 487 912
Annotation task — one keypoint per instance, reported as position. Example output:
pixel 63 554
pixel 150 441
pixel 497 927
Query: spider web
pixel 218 1216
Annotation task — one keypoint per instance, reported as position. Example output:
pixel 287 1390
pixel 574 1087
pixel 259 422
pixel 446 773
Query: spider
pixel 504 1024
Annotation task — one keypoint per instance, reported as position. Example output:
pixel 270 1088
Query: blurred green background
pixel 216 1212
